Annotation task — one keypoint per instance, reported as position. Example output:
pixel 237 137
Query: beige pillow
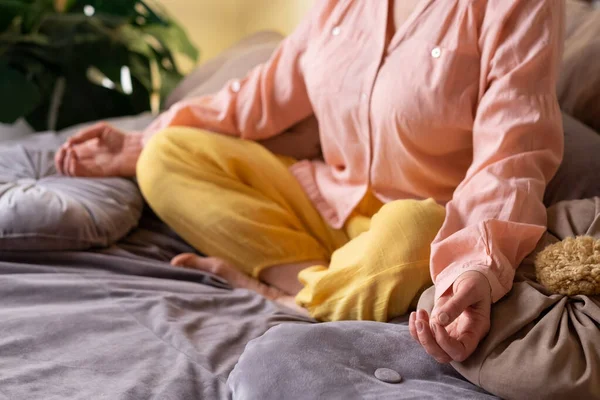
pixel 541 345
pixel 579 83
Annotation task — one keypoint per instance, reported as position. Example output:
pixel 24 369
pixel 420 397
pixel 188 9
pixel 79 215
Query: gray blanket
pixel 120 323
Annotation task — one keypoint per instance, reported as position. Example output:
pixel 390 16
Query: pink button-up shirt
pixel 460 106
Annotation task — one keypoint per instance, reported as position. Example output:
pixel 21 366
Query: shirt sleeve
pixel 270 99
pixel 497 215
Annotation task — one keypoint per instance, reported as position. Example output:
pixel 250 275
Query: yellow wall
pixel 215 25
pixel 280 15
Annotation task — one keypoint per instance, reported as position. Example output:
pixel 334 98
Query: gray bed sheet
pixel 120 323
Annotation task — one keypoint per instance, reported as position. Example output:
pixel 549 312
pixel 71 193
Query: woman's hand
pixel 99 151
pixel 459 321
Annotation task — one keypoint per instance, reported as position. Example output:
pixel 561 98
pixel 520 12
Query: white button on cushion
pixel 236 86
pixel 388 375
pixel 436 53
pixel 336 31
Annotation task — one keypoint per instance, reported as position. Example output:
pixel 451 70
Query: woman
pixel 450 101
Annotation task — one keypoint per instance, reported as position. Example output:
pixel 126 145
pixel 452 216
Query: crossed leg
pixel 238 203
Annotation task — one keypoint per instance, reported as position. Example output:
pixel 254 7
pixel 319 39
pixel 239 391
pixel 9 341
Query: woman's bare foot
pixel 236 278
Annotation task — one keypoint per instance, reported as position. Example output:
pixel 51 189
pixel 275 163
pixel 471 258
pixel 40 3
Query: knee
pixel 169 143
pixel 177 157
pixel 163 160
pixel 406 229
pixel 380 273
pixel 411 219
pixel 166 150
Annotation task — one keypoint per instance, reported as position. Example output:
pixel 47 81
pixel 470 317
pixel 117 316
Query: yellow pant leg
pixel 232 199
pixel 378 274
pixel 360 220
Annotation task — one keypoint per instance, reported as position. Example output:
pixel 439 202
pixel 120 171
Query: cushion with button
pixel 344 360
pixel 41 210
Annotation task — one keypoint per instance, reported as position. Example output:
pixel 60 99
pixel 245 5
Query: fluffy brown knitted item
pixel 570 267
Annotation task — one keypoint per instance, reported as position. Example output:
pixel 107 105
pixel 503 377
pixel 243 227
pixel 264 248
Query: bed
pixel 114 320
pixel 119 322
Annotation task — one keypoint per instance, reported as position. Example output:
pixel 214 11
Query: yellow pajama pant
pixel 235 200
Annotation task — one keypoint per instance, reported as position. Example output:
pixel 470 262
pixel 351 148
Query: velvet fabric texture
pixel 41 211
pixel 541 345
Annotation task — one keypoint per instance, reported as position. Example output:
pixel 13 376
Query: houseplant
pixel 64 62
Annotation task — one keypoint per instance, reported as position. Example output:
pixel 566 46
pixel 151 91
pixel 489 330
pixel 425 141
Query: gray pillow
pixel 579 84
pixel 41 211
pixel 577 177
pixel 300 141
pixel 51 140
pixel 234 62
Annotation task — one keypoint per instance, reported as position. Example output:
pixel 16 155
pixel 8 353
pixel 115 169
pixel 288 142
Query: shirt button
pixel 364 96
pixel 336 31
pixel 236 86
pixel 436 53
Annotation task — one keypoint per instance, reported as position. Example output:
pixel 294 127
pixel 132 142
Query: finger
pixel 465 296
pixel 73 161
pixel 412 327
pixel 59 159
pixel 67 162
pixel 453 347
pixel 427 339
pixel 473 332
pixel 93 132
pixel 89 149
pixel 73 166
pixel 83 170
pixel 478 326
pixel 78 169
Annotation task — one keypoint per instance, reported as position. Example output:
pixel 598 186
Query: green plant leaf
pixel 84 101
pixel 121 8
pixel 9 10
pixel 15 40
pixel 140 70
pixel 153 13
pixel 86 50
pixel 135 40
pixel 173 37
pixel 34 13
pixel 70 4
pixel 168 81
pixel 18 95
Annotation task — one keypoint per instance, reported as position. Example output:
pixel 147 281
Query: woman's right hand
pixel 99 151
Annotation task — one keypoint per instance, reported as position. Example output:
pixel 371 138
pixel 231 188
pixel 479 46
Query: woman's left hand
pixel 459 321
